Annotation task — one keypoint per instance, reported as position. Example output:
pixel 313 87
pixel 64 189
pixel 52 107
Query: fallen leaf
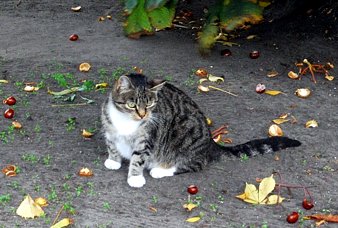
pixel 101 18
pixel 63 223
pixel 275 130
pixel 42 202
pixel 16 124
pixel 280 121
pixel 261 195
pixel 30 88
pixel 329 77
pixel 209 121
pixel 76 8
pixel 64 92
pixel 303 93
pixel 202 80
pixel 201 72
pixel 311 124
pixel 250 37
pixel 153 209
pixel 84 67
pixel 283 116
pixel 272 74
pixel 101 85
pixel 293 75
pixel 9 170
pixel 29 209
pixel 189 206
pixel 326 217
pixel 86 134
pixel 272 92
pixel 193 219
pixel 202 88
pixel 85 172
pixel 214 78
pixel 227 140
pixel 3 81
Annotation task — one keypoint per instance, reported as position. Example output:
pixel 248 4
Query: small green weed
pixel 6 198
pixel 71 123
pixel 46 160
pixel 32 158
pixel 68 206
pixel 106 206
pixel 79 190
pixel 244 157
pixel 52 196
pixel 119 71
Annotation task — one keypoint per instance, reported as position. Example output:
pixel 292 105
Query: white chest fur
pixel 123 124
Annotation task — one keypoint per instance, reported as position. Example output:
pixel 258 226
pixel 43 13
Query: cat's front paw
pixel 159 172
pixel 136 181
pixel 111 164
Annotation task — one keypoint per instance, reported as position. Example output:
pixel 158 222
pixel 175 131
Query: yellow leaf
pixel 214 78
pixel 193 219
pixel 29 209
pixel 189 206
pixel 251 192
pixel 273 199
pixel 101 85
pixel 280 121
pixel 63 223
pixel 272 92
pixel 3 81
pixel 266 187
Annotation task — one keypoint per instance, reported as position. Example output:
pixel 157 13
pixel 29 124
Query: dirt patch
pixel 50 150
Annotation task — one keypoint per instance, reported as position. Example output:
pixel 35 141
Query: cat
pixel 158 127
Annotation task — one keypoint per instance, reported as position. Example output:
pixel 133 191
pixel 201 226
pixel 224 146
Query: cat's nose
pixel 142 113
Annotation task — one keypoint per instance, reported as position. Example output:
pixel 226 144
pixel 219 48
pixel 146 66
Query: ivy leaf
pixel 87 85
pixel 130 5
pixel 162 17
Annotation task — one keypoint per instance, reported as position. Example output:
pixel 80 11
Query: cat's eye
pixel 131 105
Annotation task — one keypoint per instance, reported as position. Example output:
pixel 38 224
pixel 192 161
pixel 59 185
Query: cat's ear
pixel 156 84
pixel 123 84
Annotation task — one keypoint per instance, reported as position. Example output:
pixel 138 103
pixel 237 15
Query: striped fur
pixel 165 131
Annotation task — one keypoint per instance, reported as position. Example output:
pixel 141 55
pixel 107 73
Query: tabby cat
pixel 158 127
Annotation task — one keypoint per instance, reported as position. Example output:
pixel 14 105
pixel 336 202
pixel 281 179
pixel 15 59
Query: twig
pixel 68 105
pixel 181 26
pixel 224 91
pixel 58 215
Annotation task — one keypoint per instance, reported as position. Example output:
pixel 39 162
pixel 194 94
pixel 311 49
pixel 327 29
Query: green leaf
pixel 138 21
pixel 88 85
pixel 130 5
pixel 237 13
pixel 207 38
pixel 162 17
pixel 154 4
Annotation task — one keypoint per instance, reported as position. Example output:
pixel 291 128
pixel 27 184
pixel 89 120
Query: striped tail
pixel 255 147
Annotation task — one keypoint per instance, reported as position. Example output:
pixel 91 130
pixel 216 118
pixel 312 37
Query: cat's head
pixel 135 96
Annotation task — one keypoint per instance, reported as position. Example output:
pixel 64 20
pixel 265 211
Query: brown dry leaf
pixel 153 209
pixel 189 206
pixel 193 219
pixel 293 75
pixel 138 70
pixel 329 77
pixel 218 138
pixel 63 223
pixel 84 67
pixel 9 170
pixel 85 172
pixel 16 124
pixel 201 72
pixel 275 130
pixel 283 116
pixel 311 124
pixel 272 74
pixel 29 209
pixel 76 8
pixel 326 217
pixel 30 88
pixel 86 134
pixel 101 18
pixel 42 202
pixel 303 92
pixel 273 92
pixel 280 121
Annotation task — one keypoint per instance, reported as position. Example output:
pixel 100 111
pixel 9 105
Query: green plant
pixel 244 157
pixel 68 206
pixel 15 185
pixel 79 190
pixel 117 73
pixel 37 188
pixel 70 123
pixel 32 158
pixel 37 128
pixel 154 199
pixel 52 196
pixel 5 199
pixel 46 160
pixel 106 206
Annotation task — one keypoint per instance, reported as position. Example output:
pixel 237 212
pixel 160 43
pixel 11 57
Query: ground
pixel 49 150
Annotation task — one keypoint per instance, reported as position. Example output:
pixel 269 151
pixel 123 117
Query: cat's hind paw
pixel 136 181
pixel 111 164
pixel 159 172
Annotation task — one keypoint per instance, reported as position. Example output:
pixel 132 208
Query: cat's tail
pixel 255 147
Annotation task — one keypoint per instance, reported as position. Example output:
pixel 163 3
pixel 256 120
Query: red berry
pixel 293 217
pixel 254 54
pixel 307 204
pixel 192 189
pixel 225 52
pixel 9 113
pixel 73 37
pixel 260 88
pixel 10 101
